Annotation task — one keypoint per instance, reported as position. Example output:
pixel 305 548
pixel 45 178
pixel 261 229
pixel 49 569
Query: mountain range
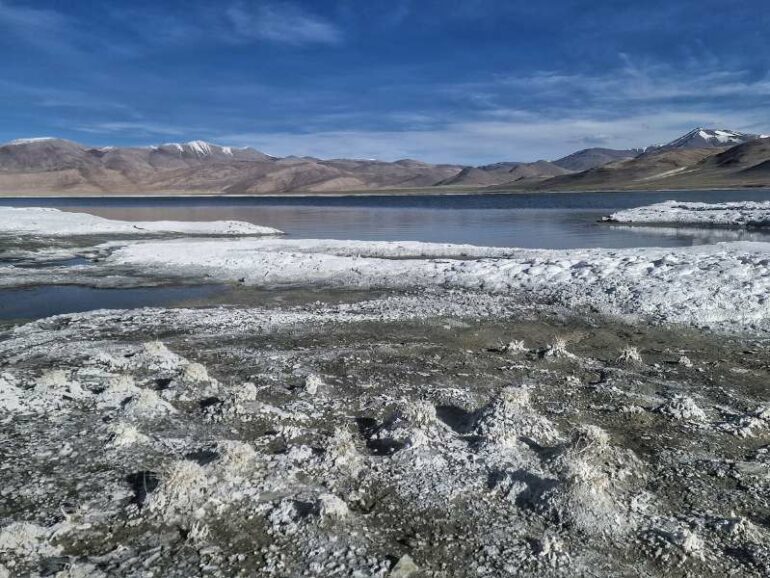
pixel 710 158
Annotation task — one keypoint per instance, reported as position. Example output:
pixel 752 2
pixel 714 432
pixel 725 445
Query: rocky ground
pixel 427 434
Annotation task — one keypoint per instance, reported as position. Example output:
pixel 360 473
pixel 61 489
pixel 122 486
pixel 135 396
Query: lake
pixel 542 220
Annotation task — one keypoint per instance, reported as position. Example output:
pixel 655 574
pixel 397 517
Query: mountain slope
pixel 743 165
pixel 500 173
pixel 594 157
pixel 644 171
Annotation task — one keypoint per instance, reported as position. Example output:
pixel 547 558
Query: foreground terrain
pixel 385 409
pixel 471 437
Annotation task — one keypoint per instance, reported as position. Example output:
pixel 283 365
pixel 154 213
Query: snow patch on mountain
pixel 24 141
pixel 704 138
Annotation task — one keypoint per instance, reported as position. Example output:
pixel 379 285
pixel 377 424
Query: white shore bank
pixel 737 214
pixel 55 223
pixel 722 285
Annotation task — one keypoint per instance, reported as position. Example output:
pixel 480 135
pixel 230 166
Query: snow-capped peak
pixel 200 148
pixel 706 137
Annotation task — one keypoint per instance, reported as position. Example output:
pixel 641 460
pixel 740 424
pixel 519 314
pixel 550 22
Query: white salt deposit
pixel 55 223
pixel 720 286
pixel 736 214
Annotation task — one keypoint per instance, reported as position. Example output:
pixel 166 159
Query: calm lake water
pixel 542 220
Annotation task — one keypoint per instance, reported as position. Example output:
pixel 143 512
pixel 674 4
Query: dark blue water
pixel 541 220
pixel 47 300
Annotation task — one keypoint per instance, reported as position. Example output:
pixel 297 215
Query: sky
pixel 470 82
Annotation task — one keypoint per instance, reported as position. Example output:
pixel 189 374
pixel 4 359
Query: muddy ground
pixel 320 434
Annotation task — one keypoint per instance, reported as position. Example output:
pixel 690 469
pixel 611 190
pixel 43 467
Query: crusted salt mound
pixel 119 389
pixel 331 506
pixel 510 418
pixel 195 373
pixel 682 407
pixel 11 398
pixel 124 396
pixel 312 383
pixel 737 214
pixel 630 355
pixel 54 390
pixel 669 540
pixel 155 355
pixel 557 350
pixel 236 462
pixel 125 435
pixel 147 404
pixel 594 485
pixel 55 223
pixel 27 539
pixel 410 425
pixel 182 493
pixel 341 452
pixel 57 383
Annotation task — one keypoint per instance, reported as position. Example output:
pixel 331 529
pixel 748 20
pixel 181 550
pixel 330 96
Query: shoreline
pixel 373 193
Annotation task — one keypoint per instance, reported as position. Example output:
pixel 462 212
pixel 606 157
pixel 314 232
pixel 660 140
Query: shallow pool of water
pixel 47 300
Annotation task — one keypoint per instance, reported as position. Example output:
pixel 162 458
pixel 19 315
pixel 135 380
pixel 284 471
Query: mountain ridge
pixel 50 165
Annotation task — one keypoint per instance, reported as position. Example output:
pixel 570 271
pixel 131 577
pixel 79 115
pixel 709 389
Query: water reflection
pixel 694 235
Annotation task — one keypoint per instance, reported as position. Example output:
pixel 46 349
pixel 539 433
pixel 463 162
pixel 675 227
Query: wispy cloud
pixel 638 83
pixel 45 29
pixel 524 137
pixel 23 19
pixel 281 22
pixel 139 129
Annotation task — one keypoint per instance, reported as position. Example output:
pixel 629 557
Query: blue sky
pixel 470 81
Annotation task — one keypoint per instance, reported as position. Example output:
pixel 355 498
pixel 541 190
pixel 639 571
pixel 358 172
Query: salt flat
pixel 396 409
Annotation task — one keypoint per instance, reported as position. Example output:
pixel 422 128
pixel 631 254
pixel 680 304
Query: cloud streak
pixel 283 23
pixel 527 138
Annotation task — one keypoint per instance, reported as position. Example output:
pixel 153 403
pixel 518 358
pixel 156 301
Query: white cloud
pixel 281 22
pixel 479 142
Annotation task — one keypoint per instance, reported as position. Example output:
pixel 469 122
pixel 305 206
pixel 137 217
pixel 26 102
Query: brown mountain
pixel 743 165
pixel 501 173
pixel 61 167
pixel 55 166
pixel 594 157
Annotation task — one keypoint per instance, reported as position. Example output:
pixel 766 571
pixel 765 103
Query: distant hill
pixel 594 157
pixel 743 165
pixel 59 166
pixel 504 173
pixel 636 172
pixel 701 158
